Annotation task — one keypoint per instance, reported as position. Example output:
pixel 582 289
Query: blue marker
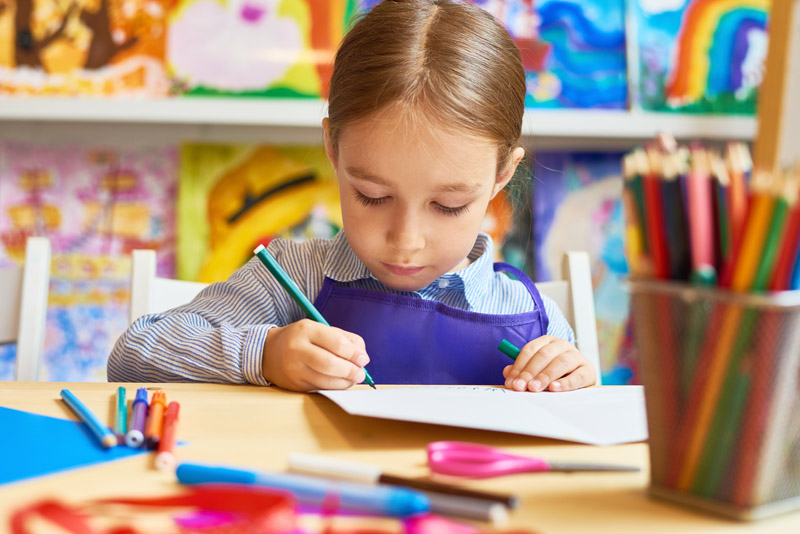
pixel 383 500
pixel 135 435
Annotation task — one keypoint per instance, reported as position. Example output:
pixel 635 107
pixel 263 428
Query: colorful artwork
pixel 577 205
pixel 233 197
pixel 95 205
pixel 573 50
pixel 83 47
pixel 277 48
pixel 704 56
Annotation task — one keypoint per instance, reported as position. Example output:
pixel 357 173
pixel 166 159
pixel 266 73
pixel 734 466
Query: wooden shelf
pixel 569 126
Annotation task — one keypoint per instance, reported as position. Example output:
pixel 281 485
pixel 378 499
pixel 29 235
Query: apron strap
pixel 529 285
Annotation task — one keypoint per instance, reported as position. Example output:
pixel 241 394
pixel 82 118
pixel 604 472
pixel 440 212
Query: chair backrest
pixel 574 294
pixel 23 312
pixel 152 294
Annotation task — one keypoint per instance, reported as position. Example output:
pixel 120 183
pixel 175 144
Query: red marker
pixel 165 459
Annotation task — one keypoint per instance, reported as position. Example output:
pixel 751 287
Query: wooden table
pixel 257 427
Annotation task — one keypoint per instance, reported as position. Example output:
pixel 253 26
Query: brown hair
pixel 450 60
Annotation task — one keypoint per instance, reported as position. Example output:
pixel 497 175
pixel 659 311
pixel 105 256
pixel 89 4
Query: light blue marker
pixel 383 500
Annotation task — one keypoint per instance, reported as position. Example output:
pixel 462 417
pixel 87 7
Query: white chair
pixel 152 294
pixel 23 310
pixel 575 296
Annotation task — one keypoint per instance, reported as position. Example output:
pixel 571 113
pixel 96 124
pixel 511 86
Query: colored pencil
pixel 675 228
pixel 654 214
pixel 100 431
pixel 700 219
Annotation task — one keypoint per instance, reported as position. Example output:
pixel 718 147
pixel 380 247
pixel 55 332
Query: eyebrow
pixel 456 187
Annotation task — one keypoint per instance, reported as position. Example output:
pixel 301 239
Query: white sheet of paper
pixel 599 416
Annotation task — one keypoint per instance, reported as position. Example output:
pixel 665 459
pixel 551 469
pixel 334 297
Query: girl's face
pixel 413 195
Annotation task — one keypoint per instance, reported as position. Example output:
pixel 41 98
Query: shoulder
pixel 300 260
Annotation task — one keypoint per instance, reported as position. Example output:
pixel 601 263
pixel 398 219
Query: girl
pixel 423 129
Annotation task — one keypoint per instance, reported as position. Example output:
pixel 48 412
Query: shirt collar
pixel 342 265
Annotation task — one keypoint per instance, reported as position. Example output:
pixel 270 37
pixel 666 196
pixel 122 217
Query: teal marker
pixel 288 284
pixel 509 349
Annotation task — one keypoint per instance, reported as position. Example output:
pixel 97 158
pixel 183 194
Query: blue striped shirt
pixel 219 336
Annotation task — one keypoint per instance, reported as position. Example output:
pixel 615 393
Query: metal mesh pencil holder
pixel 721 372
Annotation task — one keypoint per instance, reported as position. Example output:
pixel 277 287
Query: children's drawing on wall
pixel 275 48
pixel 234 197
pixel 577 205
pixel 95 205
pixel 699 55
pixel 83 47
pixel 573 51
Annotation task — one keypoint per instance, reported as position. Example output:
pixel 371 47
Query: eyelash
pixel 370 201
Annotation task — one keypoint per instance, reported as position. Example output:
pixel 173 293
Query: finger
pixel 507 369
pixel 581 377
pixel 329 364
pixel 336 341
pixel 322 381
pixel 524 356
pixel 547 348
pixel 355 338
pixel 560 366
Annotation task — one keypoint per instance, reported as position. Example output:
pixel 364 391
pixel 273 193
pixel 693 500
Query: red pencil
pixel 654 213
pixel 789 246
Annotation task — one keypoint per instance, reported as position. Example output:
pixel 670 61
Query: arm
pixel 218 337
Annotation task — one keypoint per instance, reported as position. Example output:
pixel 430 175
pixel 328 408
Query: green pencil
pixel 288 284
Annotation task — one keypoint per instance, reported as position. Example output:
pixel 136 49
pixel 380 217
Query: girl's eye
pixel 452 211
pixel 368 201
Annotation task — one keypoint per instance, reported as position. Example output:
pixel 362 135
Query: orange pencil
pixel 155 419
pixel 165 459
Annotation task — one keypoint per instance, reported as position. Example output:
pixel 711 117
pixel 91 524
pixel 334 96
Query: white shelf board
pixel 299 113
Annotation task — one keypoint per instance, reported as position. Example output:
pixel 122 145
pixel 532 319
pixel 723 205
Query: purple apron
pixel 415 341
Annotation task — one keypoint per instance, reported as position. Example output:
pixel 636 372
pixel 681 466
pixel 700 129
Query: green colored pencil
pixel 288 284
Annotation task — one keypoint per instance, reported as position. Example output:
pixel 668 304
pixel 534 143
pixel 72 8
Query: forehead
pixel 392 140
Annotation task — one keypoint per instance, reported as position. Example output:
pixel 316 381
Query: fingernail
pixel 362 360
pixel 555 386
pixel 537 385
pixel 519 384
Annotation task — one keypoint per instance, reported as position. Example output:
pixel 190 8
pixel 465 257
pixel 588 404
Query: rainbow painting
pixel 703 56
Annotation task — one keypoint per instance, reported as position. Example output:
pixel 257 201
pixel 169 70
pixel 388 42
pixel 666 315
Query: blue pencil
pixel 100 431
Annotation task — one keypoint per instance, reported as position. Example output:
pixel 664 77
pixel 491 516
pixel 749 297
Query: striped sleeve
pixel 219 336
pixel 557 325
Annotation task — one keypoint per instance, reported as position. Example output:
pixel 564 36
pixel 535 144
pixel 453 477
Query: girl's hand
pixel 551 363
pixel 307 355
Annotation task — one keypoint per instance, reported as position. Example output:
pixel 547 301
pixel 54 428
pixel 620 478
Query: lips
pixel 400 270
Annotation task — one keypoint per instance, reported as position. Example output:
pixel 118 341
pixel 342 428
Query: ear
pixel 505 177
pixel 329 149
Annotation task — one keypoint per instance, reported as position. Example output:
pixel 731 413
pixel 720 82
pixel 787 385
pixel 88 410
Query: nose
pixel 406 232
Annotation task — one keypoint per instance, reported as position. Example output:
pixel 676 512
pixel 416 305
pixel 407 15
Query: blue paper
pixel 35 445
